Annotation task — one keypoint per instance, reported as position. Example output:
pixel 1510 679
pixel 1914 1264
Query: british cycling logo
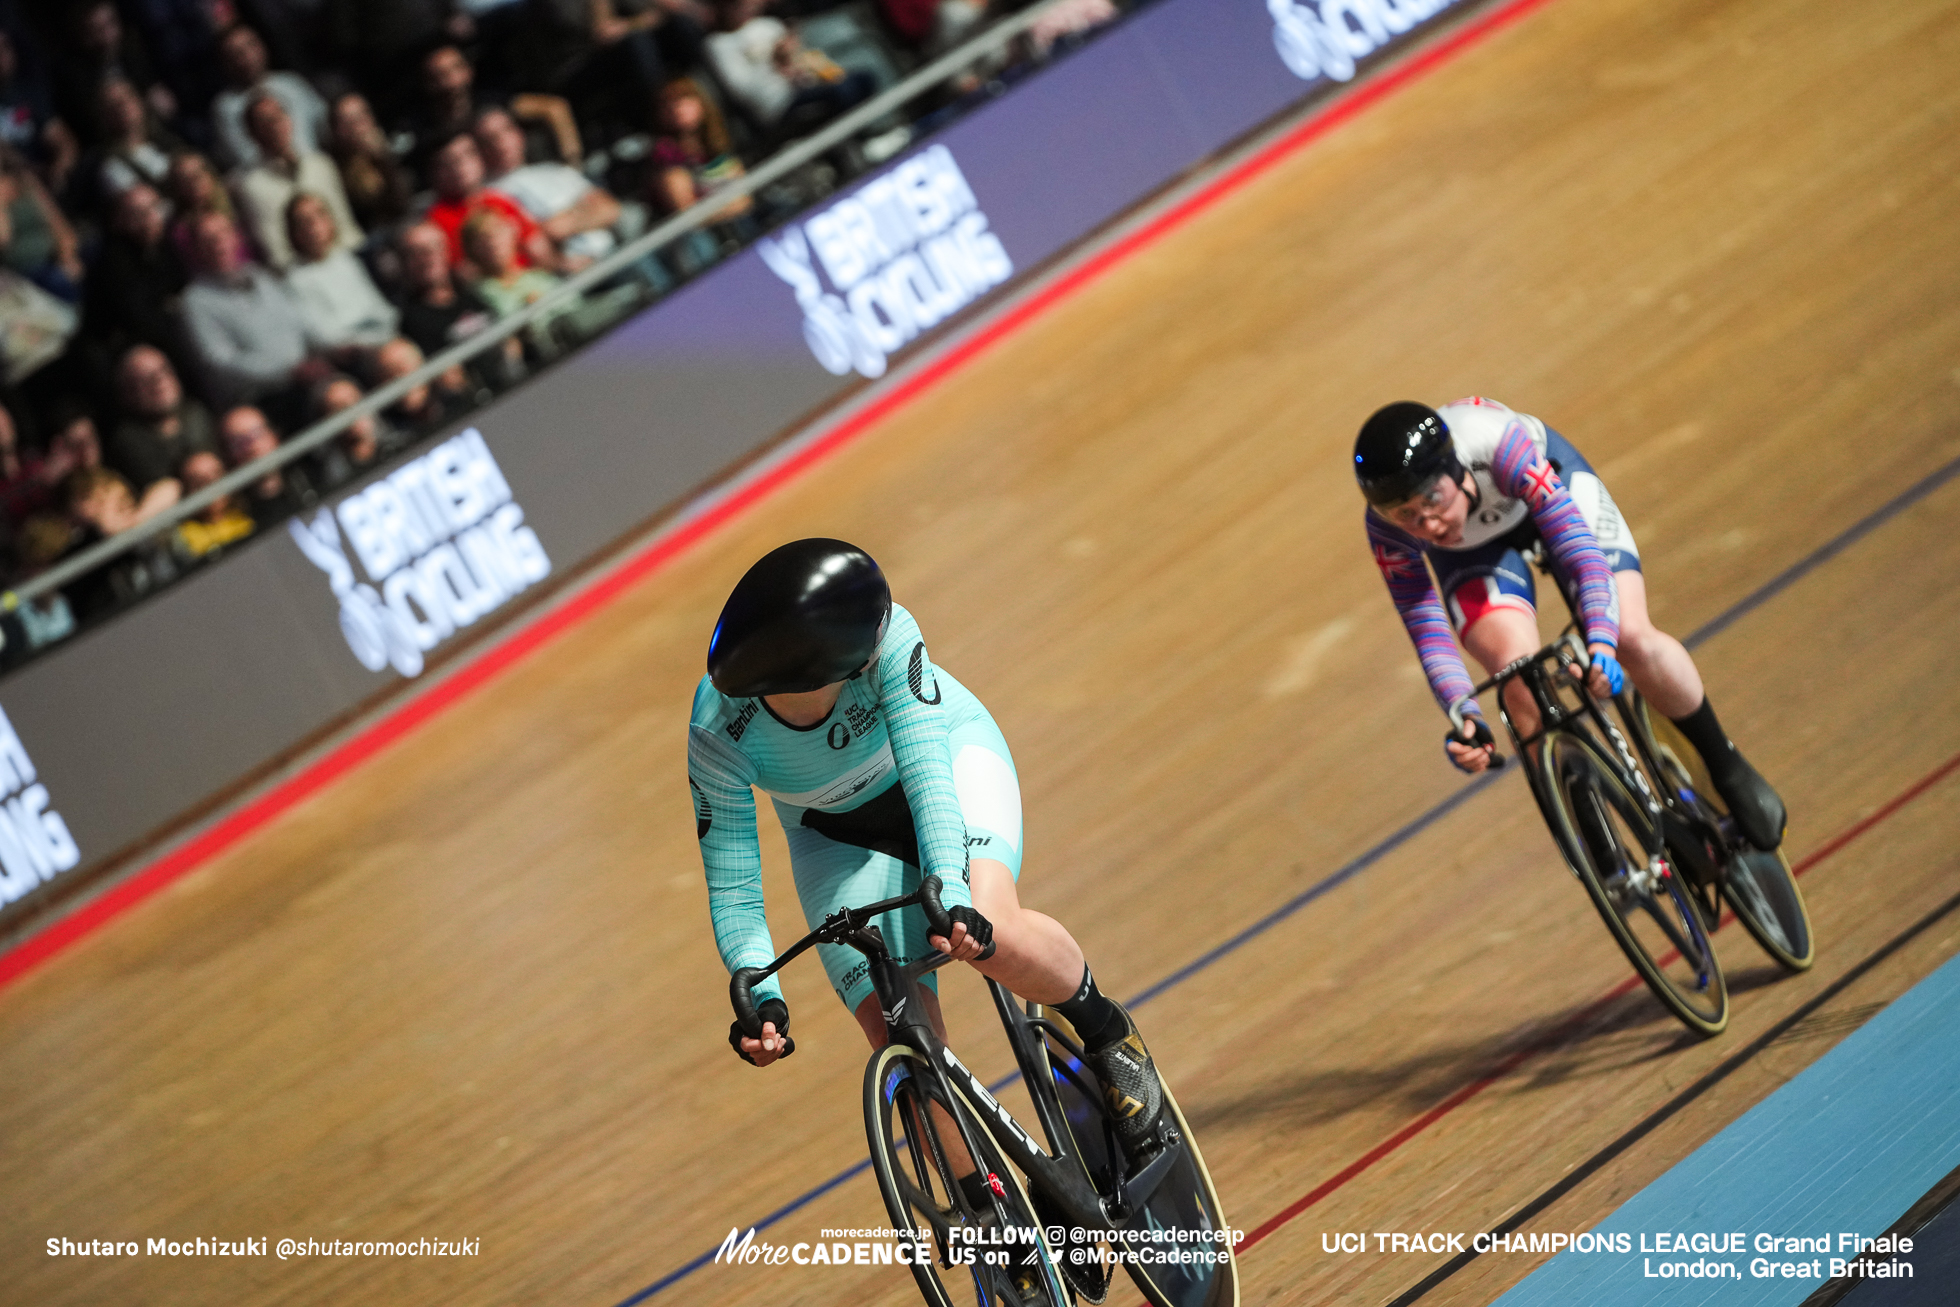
pixel 901 255
pixel 442 543
pixel 1324 38
pixel 35 845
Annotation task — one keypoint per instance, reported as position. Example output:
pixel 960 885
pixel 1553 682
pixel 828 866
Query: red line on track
pixel 1570 1027
pixel 501 656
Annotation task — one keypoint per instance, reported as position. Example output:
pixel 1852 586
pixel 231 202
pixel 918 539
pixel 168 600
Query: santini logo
pixel 442 543
pixel 1323 38
pixel 902 254
pixel 35 845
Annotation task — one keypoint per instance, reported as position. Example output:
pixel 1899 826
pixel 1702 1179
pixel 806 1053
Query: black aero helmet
pixel 1400 450
pixel 807 614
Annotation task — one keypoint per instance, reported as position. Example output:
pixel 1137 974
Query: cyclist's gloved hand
pixel 1604 675
pixel 1470 749
pixel 775 1041
pixel 976 945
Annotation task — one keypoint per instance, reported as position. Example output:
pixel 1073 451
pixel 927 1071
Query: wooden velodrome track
pixel 469 991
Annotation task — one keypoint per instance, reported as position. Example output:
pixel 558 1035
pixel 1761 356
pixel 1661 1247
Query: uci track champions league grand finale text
pixel 1665 1254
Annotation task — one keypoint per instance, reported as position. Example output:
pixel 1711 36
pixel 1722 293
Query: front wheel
pixel 1610 840
pixel 963 1249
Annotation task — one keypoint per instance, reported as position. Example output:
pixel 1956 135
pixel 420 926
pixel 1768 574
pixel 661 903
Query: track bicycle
pixel 1048 1229
pixel 1657 859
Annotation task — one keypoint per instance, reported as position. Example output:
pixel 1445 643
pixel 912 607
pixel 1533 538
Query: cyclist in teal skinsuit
pixel 882 769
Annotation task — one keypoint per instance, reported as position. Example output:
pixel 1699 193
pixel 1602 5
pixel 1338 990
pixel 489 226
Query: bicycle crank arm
pixel 1685 842
pixel 1138 1188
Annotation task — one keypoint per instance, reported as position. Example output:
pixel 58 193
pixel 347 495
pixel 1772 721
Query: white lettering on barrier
pixel 1324 38
pixel 904 253
pixel 442 543
pixel 35 845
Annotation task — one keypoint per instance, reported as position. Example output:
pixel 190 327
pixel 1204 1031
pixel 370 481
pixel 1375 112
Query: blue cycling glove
pixel 1616 677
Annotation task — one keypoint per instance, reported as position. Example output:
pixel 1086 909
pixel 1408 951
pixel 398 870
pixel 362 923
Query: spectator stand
pixel 587 302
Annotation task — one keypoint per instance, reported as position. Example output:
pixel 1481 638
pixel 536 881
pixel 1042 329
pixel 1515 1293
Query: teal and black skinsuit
pixel 908 772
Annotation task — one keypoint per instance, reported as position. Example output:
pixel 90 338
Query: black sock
pixel 1094 1017
pixel 1709 739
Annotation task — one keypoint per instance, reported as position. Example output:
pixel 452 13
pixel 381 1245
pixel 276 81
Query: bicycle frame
pixel 1058 1175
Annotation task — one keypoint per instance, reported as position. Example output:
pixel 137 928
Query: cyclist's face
pixel 1436 515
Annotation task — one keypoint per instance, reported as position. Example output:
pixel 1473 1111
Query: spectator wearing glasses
pixel 280 493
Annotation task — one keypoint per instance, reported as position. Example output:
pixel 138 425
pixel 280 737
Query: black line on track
pixel 1653 1119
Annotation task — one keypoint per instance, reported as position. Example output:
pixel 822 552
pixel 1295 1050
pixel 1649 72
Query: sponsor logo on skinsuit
pixel 894 259
pixel 35 845
pixel 441 542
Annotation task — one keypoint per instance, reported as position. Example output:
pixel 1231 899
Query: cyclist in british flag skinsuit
pixel 1468 489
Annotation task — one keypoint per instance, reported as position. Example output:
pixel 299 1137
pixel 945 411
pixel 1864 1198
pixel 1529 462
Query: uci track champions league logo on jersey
pixel 1324 38
pixel 902 254
pixel 35 845
pixel 442 543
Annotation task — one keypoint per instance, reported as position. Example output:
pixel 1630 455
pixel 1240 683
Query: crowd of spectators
pixel 221 220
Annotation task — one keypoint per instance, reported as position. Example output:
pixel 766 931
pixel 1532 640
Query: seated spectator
pixel 35 239
pixel 451 101
pixel 365 441
pixel 379 188
pixel 613 56
pixel 344 313
pixel 242 59
pixel 438 309
pixel 783 85
pixel 222 521
pixel 383 42
pixel 460 192
pixel 133 149
pixel 100 47
pixel 136 289
pixel 577 215
pixel 691 156
pixel 160 426
pixel 103 504
pixel 281 492
pixel 35 483
pixel 490 240
pixel 28 123
pixel 75 429
pixel 425 406
pixel 282 172
pixel 42 541
pixel 193 188
pixel 245 329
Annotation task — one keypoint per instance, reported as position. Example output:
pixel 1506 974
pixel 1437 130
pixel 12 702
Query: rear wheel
pixel 999 1256
pixel 1181 1217
pixel 1611 842
pixel 1758 885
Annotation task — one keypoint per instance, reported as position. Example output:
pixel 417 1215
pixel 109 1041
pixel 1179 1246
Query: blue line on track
pixel 1748 604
